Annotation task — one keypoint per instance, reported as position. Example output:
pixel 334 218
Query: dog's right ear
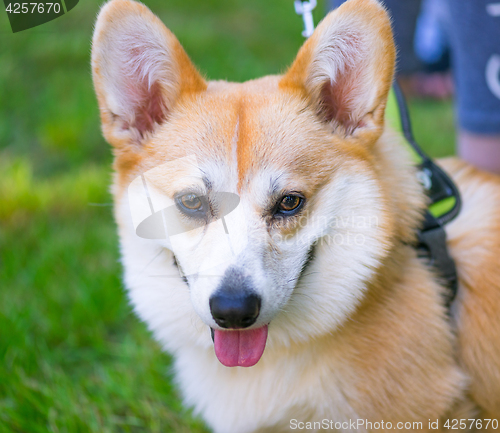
pixel 140 71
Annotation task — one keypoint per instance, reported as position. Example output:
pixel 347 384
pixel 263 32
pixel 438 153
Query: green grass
pixel 74 357
pixel 433 126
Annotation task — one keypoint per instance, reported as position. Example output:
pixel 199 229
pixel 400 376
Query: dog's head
pixel 271 197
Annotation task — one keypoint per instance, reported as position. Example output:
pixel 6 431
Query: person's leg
pixel 474 31
pixel 481 150
pixel 432 48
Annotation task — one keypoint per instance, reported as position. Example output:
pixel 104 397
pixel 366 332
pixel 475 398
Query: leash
pixel 444 197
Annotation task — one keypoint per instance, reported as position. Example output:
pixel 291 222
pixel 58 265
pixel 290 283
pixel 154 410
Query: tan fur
pixel 397 356
pixel 474 240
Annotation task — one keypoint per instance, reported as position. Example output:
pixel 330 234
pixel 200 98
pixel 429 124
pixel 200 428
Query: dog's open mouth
pixel 239 348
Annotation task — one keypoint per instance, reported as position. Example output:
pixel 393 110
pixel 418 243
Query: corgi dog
pixel 267 233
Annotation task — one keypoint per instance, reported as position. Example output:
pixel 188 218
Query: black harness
pixel 445 204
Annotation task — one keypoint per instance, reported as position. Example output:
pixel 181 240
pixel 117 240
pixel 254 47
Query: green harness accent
pixel 444 198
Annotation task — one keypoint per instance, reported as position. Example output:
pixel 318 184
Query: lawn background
pixel 73 356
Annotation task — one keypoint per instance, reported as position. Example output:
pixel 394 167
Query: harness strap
pixel 444 199
pixel 432 245
pixel 445 202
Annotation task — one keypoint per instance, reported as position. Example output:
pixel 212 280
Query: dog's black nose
pixel 234 310
pixel 235 303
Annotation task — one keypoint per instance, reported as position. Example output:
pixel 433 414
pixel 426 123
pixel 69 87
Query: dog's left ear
pixel 345 69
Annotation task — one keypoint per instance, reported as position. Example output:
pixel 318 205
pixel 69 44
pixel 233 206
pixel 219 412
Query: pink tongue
pixel 240 348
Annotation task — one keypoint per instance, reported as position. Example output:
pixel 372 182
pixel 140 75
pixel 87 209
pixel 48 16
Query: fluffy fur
pixel 357 326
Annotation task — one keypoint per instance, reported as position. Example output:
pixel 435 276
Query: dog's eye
pixel 290 204
pixel 190 204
